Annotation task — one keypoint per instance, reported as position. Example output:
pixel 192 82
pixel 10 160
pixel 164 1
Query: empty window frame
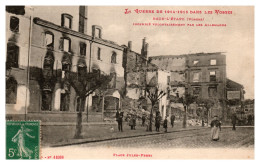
pixel 213 62
pixel 66 20
pixel 64 101
pixel 65 70
pixel 11 91
pixel 49 40
pixel 65 67
pixel 98 32
pixel 46 100
pixel 83 49
pixel 12 55
pixel 195 62
pixel 99 54
pixel 48 65
pixel 212 76
pixel 65 44
pixel 196 77
pixel 113 80
pixel 14 24
pixel 113 58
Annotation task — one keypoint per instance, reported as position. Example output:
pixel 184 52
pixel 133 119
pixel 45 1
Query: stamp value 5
pixel 22 139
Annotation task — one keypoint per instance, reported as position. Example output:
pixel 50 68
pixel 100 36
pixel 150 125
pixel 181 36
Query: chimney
pixel 143 43
pixel 83 18
pixel 144 50
pixel 130 45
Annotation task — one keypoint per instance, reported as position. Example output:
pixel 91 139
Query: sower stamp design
pixel 22 139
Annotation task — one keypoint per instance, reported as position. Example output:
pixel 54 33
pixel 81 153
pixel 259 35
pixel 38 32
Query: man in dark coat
pixel 165 122
pixel 250 119
pixel 172 120
pixel 157 121
pixel 134 121
pixel 131 122
pixel 143 120
pixel 117 118
pixel 120 116
pixel 234 121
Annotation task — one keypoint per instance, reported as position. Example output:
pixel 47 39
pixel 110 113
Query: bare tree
pixel 154 96
pixel 186 100
pixel 84 84
pixel 207 104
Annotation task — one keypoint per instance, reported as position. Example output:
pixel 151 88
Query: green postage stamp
pixel 22 139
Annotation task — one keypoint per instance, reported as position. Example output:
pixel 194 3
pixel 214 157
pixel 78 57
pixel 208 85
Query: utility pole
pixel 28 64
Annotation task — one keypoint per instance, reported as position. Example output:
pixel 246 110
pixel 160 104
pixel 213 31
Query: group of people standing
pixel 158 120
pixel 132 118
pixel 215 123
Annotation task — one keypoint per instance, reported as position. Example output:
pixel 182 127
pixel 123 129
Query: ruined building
pixel 200 74
pixel 176 80
pixel 140 73
pixel 43 50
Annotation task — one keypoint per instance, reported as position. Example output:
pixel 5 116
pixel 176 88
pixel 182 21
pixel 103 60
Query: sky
pixel 236 39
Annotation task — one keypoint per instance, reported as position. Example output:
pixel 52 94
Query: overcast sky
pixel 236 39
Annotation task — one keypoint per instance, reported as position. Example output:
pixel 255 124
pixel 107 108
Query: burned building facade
pixel 18 23
pixel 176 80
pixel 207 79
pixel 201 74
pixel 141 73
pixel 49 49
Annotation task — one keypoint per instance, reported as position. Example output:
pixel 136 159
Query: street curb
pixel 238 126
pixel 117 138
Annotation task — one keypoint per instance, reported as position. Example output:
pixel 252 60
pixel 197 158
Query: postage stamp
pixel 22 139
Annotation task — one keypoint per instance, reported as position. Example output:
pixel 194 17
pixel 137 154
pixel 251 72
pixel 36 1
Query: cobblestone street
pixel 195 143
pixel 242 137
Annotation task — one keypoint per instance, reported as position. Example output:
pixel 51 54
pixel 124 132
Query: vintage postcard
pixel 130 82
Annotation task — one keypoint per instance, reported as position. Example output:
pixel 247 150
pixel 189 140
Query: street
pixel 183 144
pixel 241 138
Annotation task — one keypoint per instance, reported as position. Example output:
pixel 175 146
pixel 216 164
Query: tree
pixel 85 83
pixel 154 96
pixel 207 104
pixel 187 100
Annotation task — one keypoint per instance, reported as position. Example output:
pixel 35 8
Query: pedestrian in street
pixel 202 122
pixel 172 120
pixel 165 122
pixel 120 121
pixel 157 121
pixel 147 123
pixel 234 121
pixel 215 128
pixel 131 122
pixel 134 121
pixel 249 120
pixel 143 120
pixel 117 118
